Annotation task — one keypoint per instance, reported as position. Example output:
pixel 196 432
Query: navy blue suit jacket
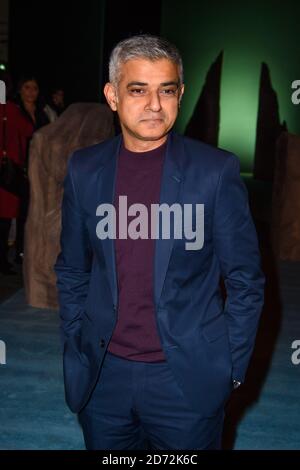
pixel 206 343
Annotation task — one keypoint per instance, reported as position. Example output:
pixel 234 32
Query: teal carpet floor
pixel 33 414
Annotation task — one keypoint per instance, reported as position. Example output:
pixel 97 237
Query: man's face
pixel 58 98
pixel 146 99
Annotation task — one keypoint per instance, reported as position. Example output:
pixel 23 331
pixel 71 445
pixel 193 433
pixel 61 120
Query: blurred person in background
pixel 57 100
pixel 15 142
pixel 30 101
pixel 33 109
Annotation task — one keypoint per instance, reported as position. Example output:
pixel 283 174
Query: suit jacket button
pixel 102 343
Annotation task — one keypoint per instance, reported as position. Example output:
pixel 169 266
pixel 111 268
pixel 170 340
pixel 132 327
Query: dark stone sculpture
pixel 285 223
pixel 268 128
pixel 205 121
pixel 81 125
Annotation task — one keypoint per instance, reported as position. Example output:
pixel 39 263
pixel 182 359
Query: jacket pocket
pixel 72 351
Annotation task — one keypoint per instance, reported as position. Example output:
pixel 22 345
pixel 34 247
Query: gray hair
pixel 142 46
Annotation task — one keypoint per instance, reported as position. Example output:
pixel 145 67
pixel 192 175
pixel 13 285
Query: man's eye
pixel 137 91
pixel 168 91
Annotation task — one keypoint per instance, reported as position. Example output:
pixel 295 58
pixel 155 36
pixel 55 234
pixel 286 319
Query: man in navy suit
pixel 151 351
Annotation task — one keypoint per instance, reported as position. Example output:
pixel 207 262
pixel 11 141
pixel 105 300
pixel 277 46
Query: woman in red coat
pixel 32 107
pixel 18 133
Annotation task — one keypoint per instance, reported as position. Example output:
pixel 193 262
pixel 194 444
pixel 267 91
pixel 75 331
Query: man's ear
pixel 110 93
pixel 181 91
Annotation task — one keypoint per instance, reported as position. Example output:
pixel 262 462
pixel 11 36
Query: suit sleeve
pixel 73 265
pixel 236 246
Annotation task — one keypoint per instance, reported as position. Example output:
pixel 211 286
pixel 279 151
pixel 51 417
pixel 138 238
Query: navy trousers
pixel 138 405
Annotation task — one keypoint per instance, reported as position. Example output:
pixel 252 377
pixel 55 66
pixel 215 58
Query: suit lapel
pixel 171 182
pixel 106 195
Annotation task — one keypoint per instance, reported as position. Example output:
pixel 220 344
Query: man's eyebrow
pixel 170 83
pixel 136 84
pixel 173 82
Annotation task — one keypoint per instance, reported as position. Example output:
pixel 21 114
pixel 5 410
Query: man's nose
pixel 154 102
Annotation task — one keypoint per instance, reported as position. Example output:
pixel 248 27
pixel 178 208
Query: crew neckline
pixel 147 154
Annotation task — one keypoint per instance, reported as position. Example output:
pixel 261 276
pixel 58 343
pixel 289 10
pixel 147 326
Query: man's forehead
pixel 145 70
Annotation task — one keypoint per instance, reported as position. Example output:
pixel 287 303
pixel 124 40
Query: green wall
pixel 249 33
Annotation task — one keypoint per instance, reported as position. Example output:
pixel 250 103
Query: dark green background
pixel 249 32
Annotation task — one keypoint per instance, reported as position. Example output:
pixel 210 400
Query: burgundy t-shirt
pixel 136 335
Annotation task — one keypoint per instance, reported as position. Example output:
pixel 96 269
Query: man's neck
pixel 136 145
